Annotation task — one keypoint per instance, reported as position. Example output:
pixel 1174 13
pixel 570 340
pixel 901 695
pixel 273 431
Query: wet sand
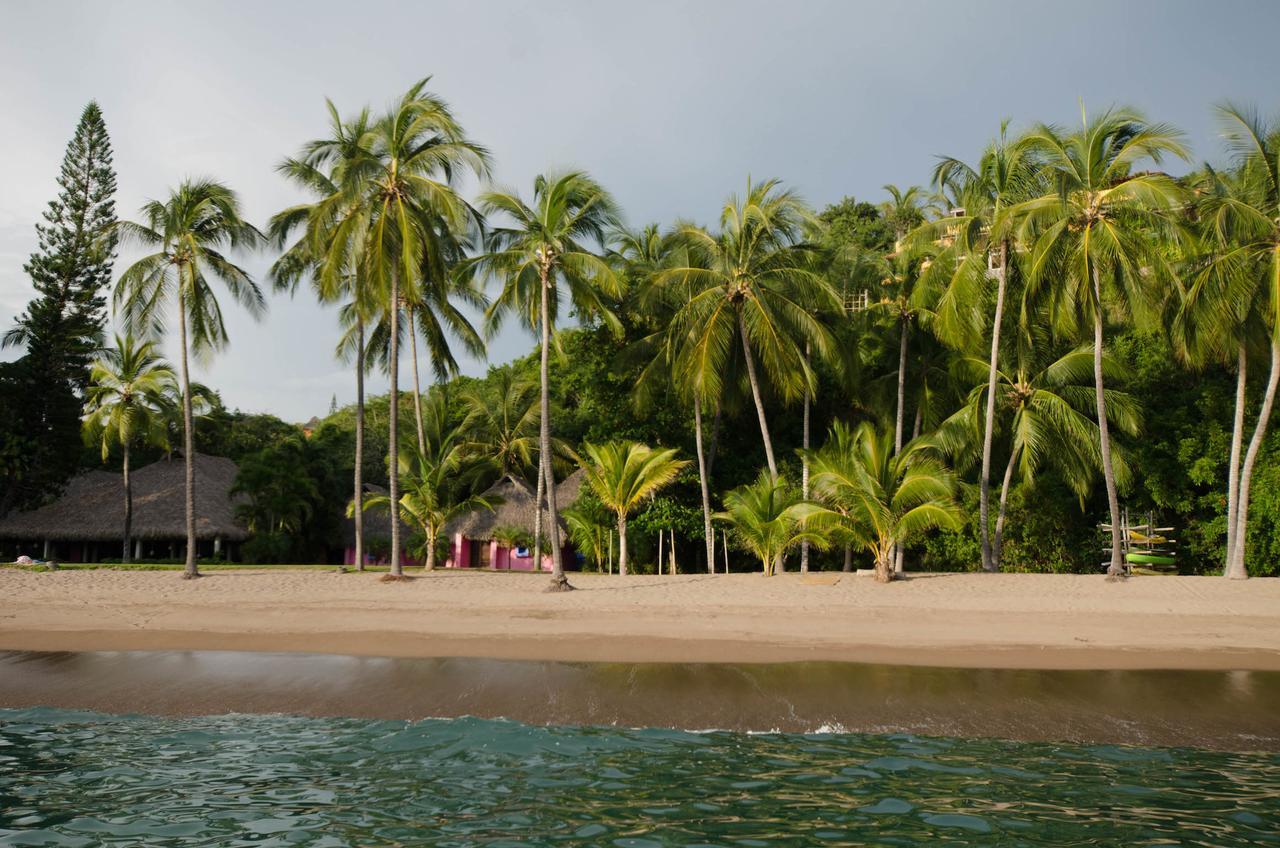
pixel 958 620
pixel 1218 710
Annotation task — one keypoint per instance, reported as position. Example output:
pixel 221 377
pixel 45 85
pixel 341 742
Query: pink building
pixel 484 538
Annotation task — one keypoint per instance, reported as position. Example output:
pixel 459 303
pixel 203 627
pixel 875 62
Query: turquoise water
pixel 80 778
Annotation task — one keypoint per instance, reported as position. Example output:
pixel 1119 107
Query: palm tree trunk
pixel 1233 472
pixel 431 553
pixel 715 438
pixel 1237 569
pixel 538 498
pixel 188 443
pixel 359 469
pixel 1116 567
pixel 705 485
pixel 895 555
pixel 902 388
pixel 848 556
pixel 622 547
pixel 804 466
pixel 997 550
pixel 884 564
pixel 393 427
pixel 559 582
pixel 988 430
pixel 417 387
pixel 128 508
pixel 755 394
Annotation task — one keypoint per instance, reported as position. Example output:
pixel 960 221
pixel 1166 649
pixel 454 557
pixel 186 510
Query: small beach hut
pixel 86 524
pixel 480 538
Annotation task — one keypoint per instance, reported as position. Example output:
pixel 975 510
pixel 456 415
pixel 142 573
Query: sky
pixel 670 105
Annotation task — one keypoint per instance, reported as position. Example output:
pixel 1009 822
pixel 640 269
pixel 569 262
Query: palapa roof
pixel 516 509
pixel 92 508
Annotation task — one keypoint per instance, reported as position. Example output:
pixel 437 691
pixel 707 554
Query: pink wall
pixel 501 558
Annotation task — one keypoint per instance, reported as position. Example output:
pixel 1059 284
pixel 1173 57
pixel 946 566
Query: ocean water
pixel 82 779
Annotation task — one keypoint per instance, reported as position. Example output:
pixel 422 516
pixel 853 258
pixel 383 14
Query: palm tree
pixel 1045 405
pixel 879 495
pixel 1239 290
pixel 325 169
pixel 770 518
pixel 622 474
pixel 129 387
pixel 393 221
pixel 442 480
pixel 191 230
pixel 1092 233
pixel 505 420
pixel 544 244
pixel 982 239
pixel 903 210
pixel 752 284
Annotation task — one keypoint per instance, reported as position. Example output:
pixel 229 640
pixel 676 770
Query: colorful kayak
pixel 1149 559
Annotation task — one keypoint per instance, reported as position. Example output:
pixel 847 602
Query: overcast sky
pixel 670 105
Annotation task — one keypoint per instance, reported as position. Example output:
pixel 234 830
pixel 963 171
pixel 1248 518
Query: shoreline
pixel 656 650
pixel 1002 621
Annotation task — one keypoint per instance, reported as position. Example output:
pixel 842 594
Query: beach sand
pixel 956 620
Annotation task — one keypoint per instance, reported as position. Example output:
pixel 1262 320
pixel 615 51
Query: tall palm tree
pixel 1240 289
pixel 770 518
pixel 879 495
pixel 622 474
pixel 752 284
pixel 323 169
pixel 129 388
pixel 982 239
pixel 546 243
pixel 1091 238
pixel 191 231
pixel 392 222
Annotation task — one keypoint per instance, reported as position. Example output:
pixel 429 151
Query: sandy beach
pixel 958 620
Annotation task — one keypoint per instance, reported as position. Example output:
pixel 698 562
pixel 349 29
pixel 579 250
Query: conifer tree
pixel 61 329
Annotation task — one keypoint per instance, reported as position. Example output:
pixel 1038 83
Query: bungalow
pixel 86 524
pixel 483 538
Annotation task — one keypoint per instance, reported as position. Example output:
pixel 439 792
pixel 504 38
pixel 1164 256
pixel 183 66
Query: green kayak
pixel 1150 559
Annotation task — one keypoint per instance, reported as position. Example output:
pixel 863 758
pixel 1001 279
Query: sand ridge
pixel 980 620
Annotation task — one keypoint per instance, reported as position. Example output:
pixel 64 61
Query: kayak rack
pixel 1148 549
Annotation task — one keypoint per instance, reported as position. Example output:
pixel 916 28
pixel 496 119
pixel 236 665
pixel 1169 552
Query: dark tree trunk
pixel 393 427
pixel 188 439
pixel 755 394
pixel 358 515
pixel 705 486
pixel 559 582
pixel 417 387
pixel 804 466
pixel 128 508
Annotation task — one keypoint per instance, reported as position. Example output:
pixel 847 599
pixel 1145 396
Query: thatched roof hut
pixel 92 508
pixel 516 509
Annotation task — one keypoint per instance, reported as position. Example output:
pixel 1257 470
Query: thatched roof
pixel 92 508
pixel 516 509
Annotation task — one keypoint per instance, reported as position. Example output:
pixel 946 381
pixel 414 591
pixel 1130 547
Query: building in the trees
pixel 86 524
pixel 498 538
